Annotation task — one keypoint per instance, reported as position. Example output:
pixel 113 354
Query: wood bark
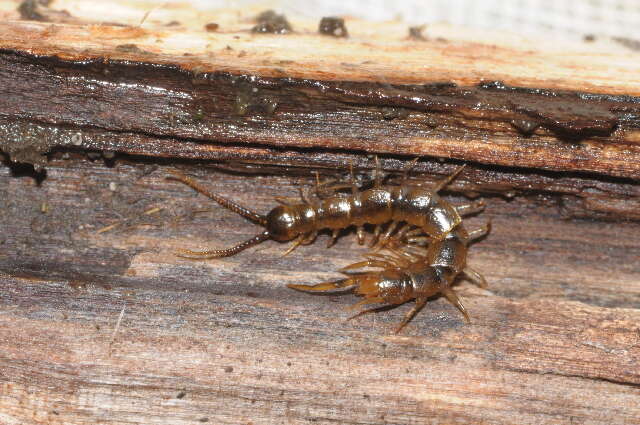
pixel 103 323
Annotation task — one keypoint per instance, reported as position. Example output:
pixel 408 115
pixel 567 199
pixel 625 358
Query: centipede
pixel 418 249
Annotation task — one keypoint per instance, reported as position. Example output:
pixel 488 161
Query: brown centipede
pixel 425 238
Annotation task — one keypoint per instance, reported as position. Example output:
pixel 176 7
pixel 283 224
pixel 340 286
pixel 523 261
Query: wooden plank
pixel 102 323
pixel 551 106
pixel 555 339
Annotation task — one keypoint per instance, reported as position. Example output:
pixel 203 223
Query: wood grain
pixel 568 108
pixel 101 323
pixel 555 339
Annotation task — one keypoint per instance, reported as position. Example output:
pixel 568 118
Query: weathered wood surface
pixel 555 339
pixel 71 82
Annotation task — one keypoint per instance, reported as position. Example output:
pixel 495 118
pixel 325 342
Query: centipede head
pixel 282 223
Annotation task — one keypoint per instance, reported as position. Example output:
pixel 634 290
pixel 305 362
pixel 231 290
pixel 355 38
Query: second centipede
pixel 425 240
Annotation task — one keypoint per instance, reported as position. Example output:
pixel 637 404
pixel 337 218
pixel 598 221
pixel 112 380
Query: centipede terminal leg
pixel 324 286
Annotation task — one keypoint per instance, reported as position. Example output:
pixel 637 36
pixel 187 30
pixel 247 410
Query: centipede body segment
pixel 419 245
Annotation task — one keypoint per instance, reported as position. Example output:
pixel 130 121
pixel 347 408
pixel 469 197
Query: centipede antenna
pixel 325 286
pixel 218 253
pixel 227 203
pixel 443 183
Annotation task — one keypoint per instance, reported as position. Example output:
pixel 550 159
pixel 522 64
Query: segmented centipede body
pixel 416 216
pixel 426 214
pixel 408 273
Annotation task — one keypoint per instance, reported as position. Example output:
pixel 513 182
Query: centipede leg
pixel 296 243
pixel 415 232
pixel 475 277
pixel 388 238
pixel 376 236
pixel 399 262
pixel 284 201
pixel 354 193
pixel 304 195
pixel 472 208
pixel 444 182
pixel 310 238
pixel 420 303
pixel 405 254
pixel 419 240
pixel 408 168
pixel 419 251
pixel 352 181
pixel 453 299
pixel 480 232
pixel 334 237
pixel 370 310
pixel 368 263
pixel 361 235
pixel 377 181
pixel 382 241
pixel 329 186
pixel 372 300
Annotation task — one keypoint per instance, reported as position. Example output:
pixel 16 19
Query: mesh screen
pixel 552 18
